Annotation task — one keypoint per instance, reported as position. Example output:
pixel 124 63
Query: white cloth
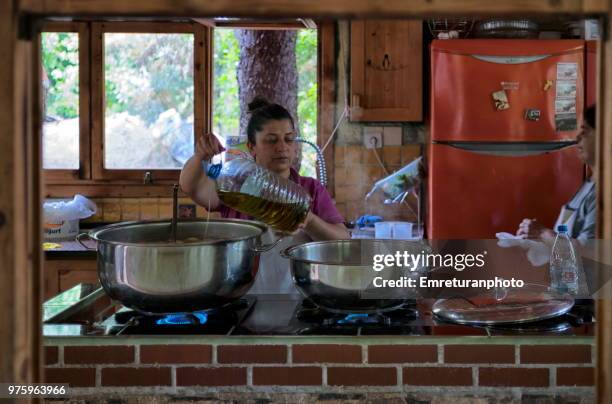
pixel 274 275
pixel 538 253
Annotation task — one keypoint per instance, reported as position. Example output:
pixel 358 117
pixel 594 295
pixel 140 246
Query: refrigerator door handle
pixel 510 60
pixel 509 149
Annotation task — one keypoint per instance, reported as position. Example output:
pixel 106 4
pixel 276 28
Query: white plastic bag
pixel 59 211
pixel 400 182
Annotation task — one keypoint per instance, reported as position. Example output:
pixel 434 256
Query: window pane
pixel 226 104
pixel 306 60
pixel 149 100
pixel 60 75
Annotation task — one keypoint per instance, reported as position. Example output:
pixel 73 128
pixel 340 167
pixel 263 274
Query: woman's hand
pixel 306 222
pixel 531 228
pixel 208 146
pixel 318 229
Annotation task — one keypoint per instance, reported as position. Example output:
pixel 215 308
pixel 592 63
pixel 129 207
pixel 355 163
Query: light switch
pixel 392 136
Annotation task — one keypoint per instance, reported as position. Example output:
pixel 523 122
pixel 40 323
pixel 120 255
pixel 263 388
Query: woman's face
pixel 586 144
pixel 275 147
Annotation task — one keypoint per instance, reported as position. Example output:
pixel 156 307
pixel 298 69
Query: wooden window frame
pixel 326 105
pixel 84 170
pixel 92 179
pixel 98 29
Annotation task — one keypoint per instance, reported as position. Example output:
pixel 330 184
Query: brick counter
pixel 513 367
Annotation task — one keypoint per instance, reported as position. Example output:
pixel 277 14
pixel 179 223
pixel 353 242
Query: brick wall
pixel 472 369
pixel 127 209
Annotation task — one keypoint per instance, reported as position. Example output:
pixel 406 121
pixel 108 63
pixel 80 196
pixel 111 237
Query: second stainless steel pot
pixel 338 275
pixel 213 264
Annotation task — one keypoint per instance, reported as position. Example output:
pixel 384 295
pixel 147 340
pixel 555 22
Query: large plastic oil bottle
pixel 251 189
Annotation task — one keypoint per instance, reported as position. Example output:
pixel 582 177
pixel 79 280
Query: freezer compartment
pixel 465 74
pixel 474 196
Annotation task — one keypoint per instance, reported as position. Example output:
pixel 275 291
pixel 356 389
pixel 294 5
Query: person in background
pixel 271 142
pixel 579 214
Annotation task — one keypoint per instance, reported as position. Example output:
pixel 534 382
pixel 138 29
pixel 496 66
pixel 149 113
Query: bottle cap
pixel 562 228
pixel 211 170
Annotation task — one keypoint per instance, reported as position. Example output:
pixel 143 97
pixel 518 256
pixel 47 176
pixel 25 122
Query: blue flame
pixel 354 318
pixel 198 318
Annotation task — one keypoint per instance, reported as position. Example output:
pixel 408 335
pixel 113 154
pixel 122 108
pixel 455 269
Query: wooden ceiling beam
pixel 312 8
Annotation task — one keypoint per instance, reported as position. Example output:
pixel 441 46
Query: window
pixel 60 56
pixel 124 100
pixel 64 52
pixel 148 111
pixel 226 104
pixel 148 87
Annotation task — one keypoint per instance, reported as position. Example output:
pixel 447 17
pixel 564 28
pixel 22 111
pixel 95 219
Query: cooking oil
pixel 281 216
pixel 253 190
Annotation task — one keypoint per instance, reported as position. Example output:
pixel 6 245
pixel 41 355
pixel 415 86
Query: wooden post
pixel 20 227
pixel 313 8
pixel 327 96
pixel 604 192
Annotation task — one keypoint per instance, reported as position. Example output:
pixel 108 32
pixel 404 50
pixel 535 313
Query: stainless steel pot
pixel 339 277
pixel 214 263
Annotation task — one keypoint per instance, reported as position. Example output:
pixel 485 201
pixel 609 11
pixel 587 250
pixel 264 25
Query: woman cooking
pixel 271 142
pixel 579 214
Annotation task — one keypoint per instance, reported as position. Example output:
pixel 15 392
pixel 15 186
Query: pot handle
pixel 267 247
pixel 285 253
pixel 78 239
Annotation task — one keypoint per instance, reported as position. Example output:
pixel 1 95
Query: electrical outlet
pixel 373 137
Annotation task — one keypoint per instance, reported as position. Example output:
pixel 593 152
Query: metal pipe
pixel 173 226
pixel 320 158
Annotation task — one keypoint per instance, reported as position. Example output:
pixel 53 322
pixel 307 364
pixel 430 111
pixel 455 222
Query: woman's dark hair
pixel 261 112
pixel 589 116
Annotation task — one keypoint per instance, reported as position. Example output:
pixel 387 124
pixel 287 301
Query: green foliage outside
pixel 60 57
pixel 306 58
pixel 147 74
pixel 226 107
pixel 306 54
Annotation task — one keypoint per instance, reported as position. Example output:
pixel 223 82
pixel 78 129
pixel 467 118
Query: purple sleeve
pixel 323 205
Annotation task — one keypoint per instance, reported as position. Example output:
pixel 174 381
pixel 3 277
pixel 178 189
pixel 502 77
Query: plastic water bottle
pixel 563 263
pixel 251 189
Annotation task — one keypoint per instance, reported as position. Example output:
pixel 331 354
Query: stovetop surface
pixel 68 315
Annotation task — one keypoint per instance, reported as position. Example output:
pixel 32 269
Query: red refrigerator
pixel 504 115
pixel 591 73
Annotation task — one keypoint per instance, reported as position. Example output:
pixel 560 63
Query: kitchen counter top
pixel 72 249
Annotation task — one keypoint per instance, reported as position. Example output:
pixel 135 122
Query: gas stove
pixel 312 320
pixel 219 321
pixel 86 310
pixel 83 311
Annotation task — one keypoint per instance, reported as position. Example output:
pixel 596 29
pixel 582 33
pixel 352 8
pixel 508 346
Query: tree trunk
pixel 268 68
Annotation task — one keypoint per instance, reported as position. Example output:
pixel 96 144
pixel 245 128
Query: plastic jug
pixel 251 189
